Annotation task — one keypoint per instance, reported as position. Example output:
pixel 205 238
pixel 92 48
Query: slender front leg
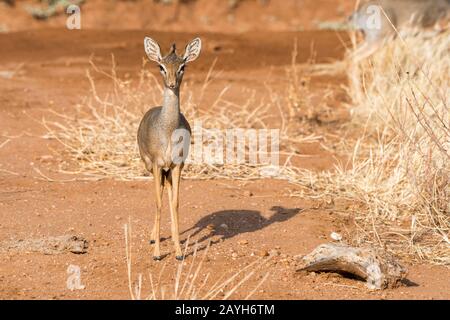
pixel 153 234
pixel 158 178
pixel 173 192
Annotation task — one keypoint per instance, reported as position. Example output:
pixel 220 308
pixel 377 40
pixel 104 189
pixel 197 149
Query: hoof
pixel 179 258
pixel 157 258
pixel 152 241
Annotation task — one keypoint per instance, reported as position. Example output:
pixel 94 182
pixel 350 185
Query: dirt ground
pixel 243 219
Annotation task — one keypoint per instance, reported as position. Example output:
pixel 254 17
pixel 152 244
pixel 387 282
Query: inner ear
pixel 152 49
pixel 192 50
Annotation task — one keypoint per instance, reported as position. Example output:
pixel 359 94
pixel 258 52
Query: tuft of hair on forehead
pixel 172 56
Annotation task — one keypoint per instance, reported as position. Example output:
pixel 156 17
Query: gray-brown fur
pixel 155 133
pixel 158 137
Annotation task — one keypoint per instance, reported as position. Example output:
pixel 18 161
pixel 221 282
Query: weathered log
pixel 380 269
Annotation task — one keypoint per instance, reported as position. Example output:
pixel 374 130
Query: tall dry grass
pixel 398 171
pixel 191 281
pixel 402 97
pixel 100 139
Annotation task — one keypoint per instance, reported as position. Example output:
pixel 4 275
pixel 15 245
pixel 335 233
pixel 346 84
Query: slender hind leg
pixel 173 191
pixel 158 178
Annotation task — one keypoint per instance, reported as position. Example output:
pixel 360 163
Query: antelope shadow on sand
pixel 229 223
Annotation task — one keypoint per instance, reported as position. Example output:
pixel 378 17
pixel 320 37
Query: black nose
pixel 172 86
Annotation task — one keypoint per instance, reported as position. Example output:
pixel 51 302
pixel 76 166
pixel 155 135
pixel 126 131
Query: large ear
pixel 152 49
pixel 192 50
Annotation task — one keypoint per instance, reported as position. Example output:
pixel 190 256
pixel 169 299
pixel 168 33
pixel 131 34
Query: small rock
pixel 224 226
pixel 243 242
pixel 45 158
pixel 274 252
pixel 210 227
pixel 336 236
pixel 248 193
pixel 263 253
pixel 234 255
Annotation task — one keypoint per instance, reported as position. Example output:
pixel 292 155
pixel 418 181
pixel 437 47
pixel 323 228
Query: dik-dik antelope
pixel 158 135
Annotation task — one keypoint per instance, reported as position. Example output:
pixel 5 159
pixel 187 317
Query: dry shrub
pixel 398 173
pixel 100 140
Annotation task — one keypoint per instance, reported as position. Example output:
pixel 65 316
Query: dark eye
pixel 161 68
pixel 182 69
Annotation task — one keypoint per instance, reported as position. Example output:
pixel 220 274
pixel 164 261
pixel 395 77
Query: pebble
pixel 243 242
pixel 45 158
pixel 248 193
pixel 274 252
pixel 336 236
pixel 263 253
pixel 224 226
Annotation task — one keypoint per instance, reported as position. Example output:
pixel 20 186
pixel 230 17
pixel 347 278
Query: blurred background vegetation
pixel 45 9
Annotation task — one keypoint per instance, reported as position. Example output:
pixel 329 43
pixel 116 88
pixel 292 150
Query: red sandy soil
pixel 260 215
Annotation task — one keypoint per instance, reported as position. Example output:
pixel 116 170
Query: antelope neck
pixel 171 106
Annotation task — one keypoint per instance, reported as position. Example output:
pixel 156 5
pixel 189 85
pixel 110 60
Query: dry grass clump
pixel 398 174
pixel 100 140
pixel 191 282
